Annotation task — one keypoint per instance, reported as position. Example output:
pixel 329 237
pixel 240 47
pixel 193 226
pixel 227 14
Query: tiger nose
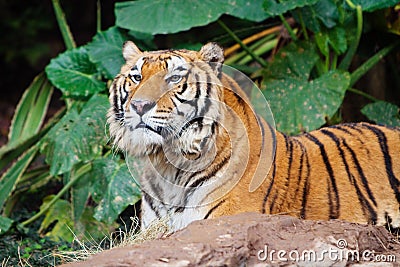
pixel 142 106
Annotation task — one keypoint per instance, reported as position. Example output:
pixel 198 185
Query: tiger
pixel 206 153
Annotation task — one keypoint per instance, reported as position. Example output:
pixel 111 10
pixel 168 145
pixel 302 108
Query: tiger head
pixel 166 98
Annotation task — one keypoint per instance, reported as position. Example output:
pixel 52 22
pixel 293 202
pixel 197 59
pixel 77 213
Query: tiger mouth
pixel 143 125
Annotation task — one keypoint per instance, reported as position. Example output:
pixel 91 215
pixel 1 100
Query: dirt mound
pixel 252 239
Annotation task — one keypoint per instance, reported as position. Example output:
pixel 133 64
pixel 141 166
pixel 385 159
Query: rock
pixel 252 239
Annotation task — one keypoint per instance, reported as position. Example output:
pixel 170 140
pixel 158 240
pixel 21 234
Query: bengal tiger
pixel 203 147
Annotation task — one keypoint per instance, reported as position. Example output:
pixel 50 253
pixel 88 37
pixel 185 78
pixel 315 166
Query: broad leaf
pixel 74 74
pixel 383 113
pixel 59 218
pixel 372 5
pixel 297 103
pixel 249 10
pixel 77 136
pixel 316 17
pixel 60 214
pixel 179 15
pixel 105 51
pixel 275 8
pixel 114 188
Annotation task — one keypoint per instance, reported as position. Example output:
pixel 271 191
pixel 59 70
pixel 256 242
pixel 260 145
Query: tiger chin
pixel 207 154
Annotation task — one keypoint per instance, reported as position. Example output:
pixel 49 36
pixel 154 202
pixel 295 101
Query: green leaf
pixel 383 113
pixel 74 74
pixel 77 137
pixel 297 103
pixel 114 188
pixel 372 5
pixel 275 8
pixel 5 224
pixel 322 14
pixel 105 50
pixel 59 216
pixel 179 15
pixel 334 38
pixel 31 111
pixel 10 178
pixel 80 193
pixel 163 17
pixel 249 10
pixel 295 60
pixel 59 212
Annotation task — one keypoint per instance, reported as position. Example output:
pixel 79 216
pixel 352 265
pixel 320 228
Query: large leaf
pixel 74 74
pixel 161 16
pixel 77 136
pixel 105 51
pixel 58 224
pixel 297 103
pixel 114 188
pixel 60 214
pixel 275 8
pixel 383 113
pixel 372 5
pixel 250 10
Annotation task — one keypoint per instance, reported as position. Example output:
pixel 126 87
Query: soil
pixel 252 239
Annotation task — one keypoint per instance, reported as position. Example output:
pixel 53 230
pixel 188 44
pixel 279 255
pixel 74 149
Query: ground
pixel 253 239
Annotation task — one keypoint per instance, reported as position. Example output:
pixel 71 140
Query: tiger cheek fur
pixel 201 145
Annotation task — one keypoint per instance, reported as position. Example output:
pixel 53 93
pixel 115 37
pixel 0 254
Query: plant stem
pixel 238 56
pixel 80 172
pixel 288 28
pixel 303 26
pixel 366 66
pixel 64 28
pixel 261 61
pixel 262 49
pixel 345 64
pixel 98 24
pixel 358 92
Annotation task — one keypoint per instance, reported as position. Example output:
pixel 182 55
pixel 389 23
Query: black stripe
pixel 213 208
pixel 364 202
pixel 360 172
pixel 116 108
pixel 273 202
pixel 198 85
pixel 149 200
pixel 290 158
pixel 334 204
pixel 203 179
pixel 184 88
pixel 306 190
pixel 394 182
pixel 300 174
pixel 269 188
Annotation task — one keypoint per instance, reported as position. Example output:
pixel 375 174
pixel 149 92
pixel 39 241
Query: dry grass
pixel 119 238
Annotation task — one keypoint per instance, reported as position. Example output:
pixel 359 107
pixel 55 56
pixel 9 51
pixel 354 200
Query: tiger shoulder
pixel 206 153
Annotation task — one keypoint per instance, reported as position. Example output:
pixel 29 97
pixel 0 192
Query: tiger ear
pixel 213 53
pixel 129 49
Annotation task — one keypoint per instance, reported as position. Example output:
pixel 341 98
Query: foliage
pixel 305 82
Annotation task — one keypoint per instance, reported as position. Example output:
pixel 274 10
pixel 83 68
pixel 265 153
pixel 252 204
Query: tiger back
pixel 202 147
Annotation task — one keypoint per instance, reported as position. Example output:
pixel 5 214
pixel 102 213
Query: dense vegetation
pixel 307 56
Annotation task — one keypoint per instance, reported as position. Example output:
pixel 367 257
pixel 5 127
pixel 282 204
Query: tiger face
pixel 166 99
